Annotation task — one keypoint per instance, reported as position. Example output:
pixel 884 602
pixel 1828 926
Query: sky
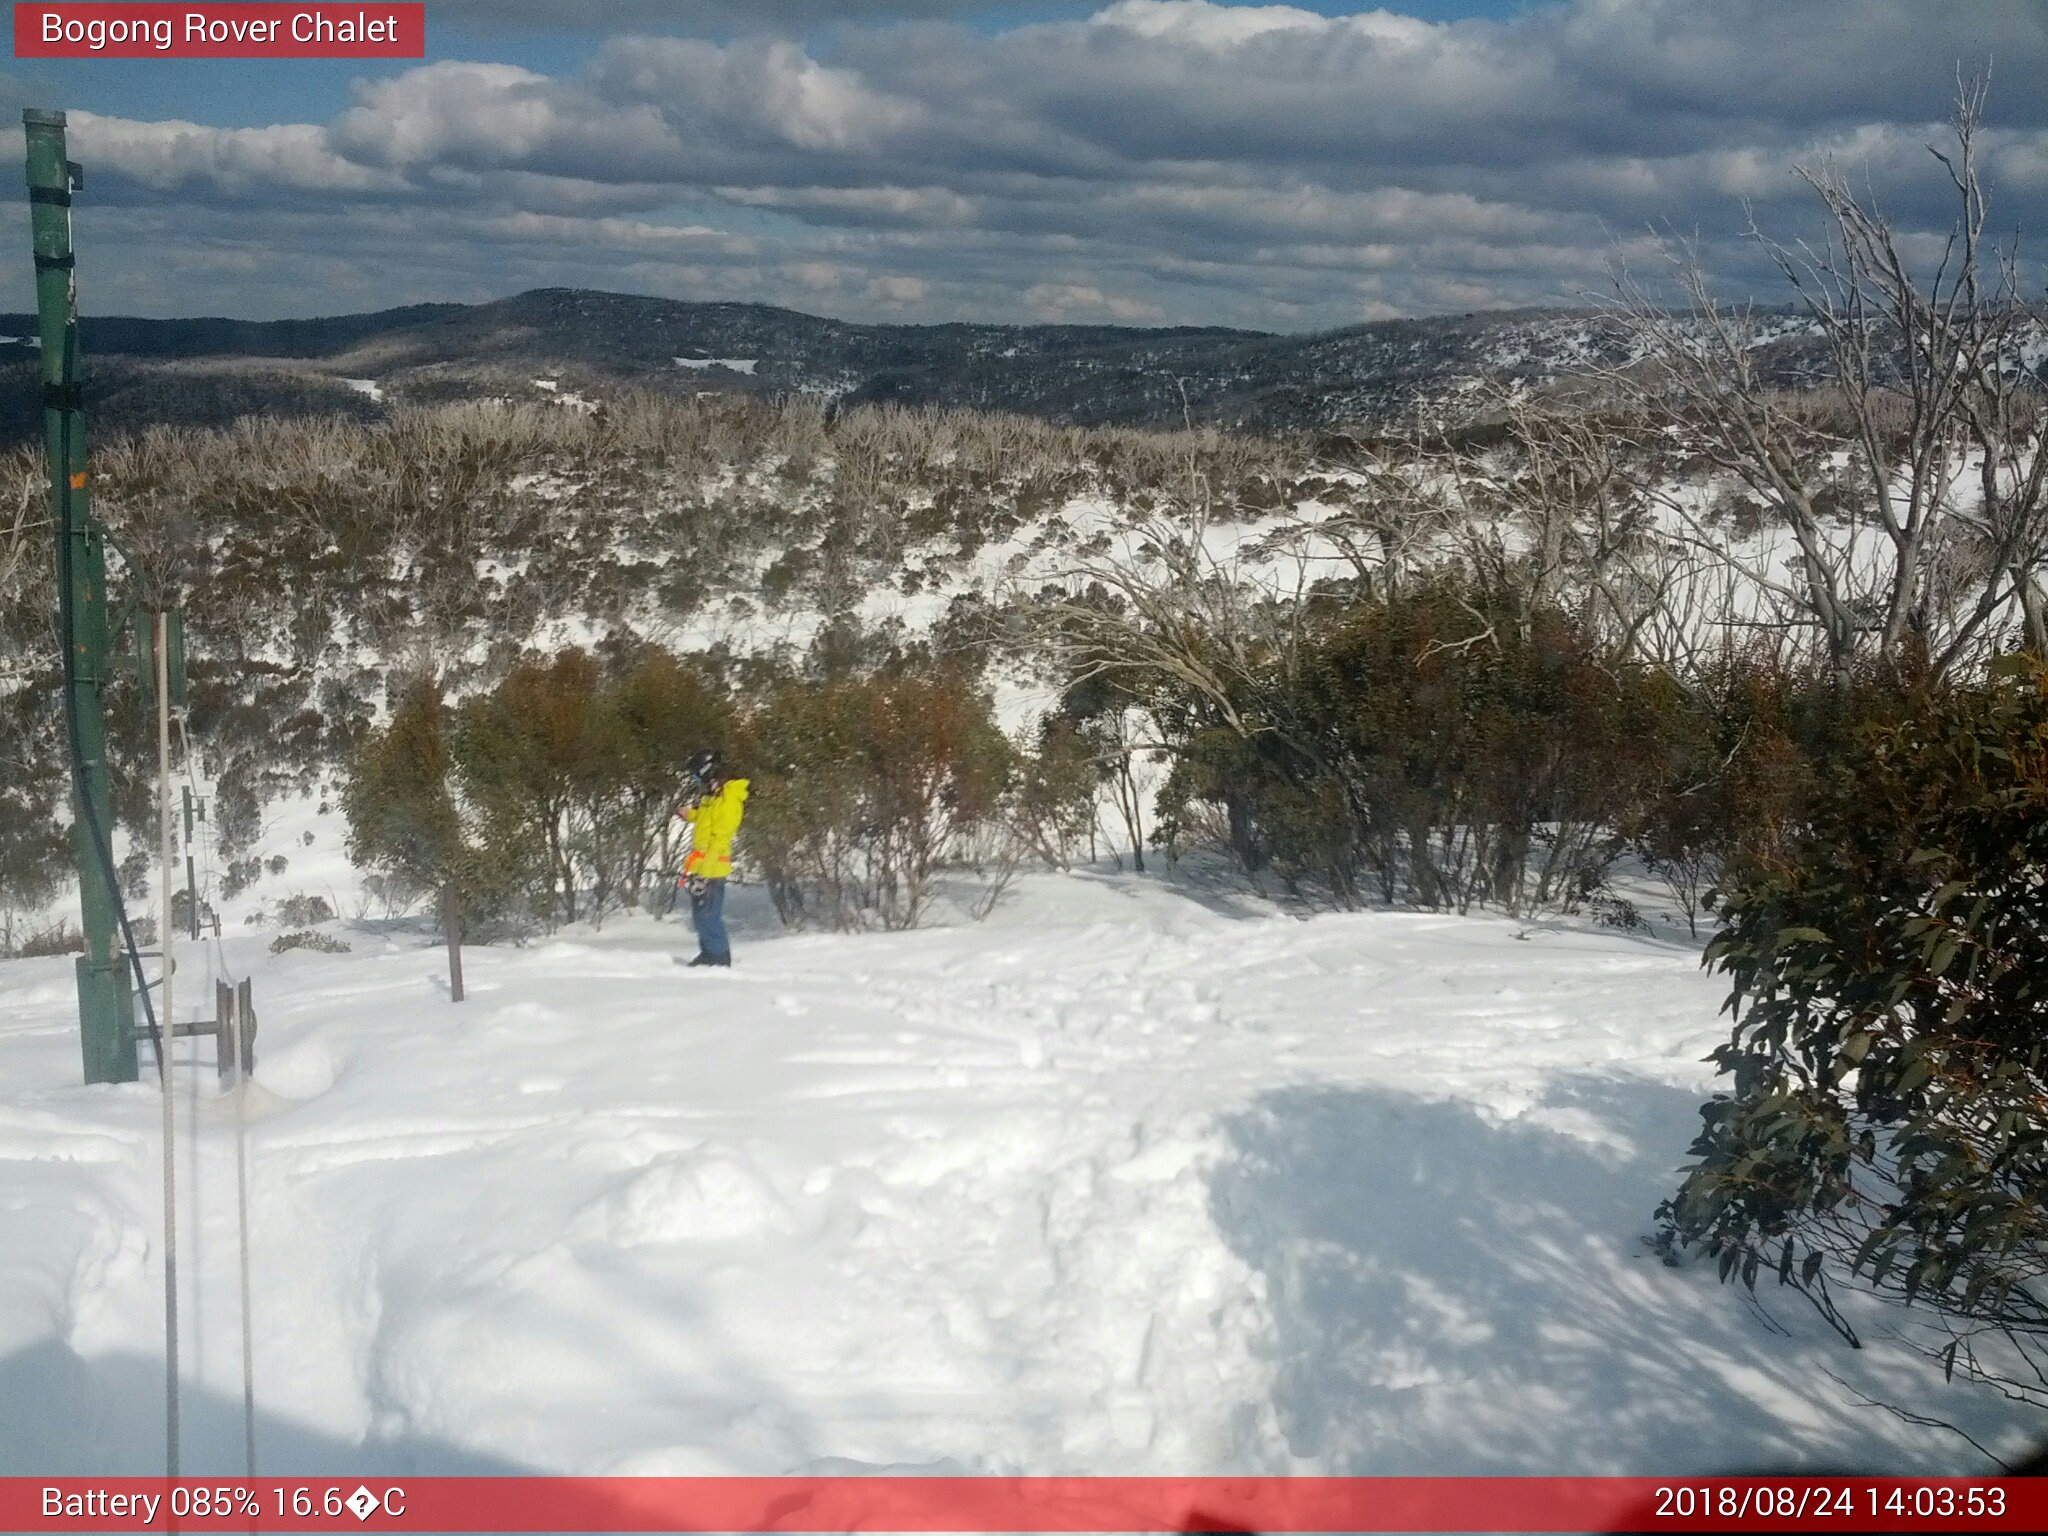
pixel 1286 168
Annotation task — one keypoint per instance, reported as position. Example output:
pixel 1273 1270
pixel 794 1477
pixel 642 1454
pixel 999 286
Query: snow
pixel 368 387
pixel 736 364
pixel 566 397
pixel 1140 1175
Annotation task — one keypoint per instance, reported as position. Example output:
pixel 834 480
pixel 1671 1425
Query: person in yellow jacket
pixel 714 818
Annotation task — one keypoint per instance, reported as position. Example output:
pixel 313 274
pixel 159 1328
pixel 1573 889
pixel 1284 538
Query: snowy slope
pixel 1136 1177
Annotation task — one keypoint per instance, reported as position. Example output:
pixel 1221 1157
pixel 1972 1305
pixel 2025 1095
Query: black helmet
pixel 704 767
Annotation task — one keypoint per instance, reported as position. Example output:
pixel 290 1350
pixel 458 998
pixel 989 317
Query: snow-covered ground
pixel 1139 1175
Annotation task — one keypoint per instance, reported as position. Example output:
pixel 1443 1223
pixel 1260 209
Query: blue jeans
pixel 707 911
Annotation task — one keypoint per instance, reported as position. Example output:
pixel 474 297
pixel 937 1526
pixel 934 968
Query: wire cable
pixel 218 969
pixel 168 965
pixel 206 848
pixel 96 835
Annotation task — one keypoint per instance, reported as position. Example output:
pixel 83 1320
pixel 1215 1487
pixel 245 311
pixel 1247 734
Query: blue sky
pixel 1183 161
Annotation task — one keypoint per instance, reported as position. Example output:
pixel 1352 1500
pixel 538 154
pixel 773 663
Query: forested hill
pixel 556 340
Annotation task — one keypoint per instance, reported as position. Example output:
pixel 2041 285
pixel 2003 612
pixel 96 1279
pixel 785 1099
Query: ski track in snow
pixel 1134 1177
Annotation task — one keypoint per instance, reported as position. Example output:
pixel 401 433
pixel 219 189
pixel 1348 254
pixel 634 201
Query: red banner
pixel 1015 1504
pixel 215 31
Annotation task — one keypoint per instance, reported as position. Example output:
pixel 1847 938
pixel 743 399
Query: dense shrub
pixel 1442 744
pixel 551 795
pixel 35 866
pixel 300 910
pixel 576 769
pixel 306 938
pixel 866 786
pixel 62 938
pixel 1098 724
pixel 404 819
pixel 1744 761
pixel 574 764
pixel 1887 1112
pixel 1054 793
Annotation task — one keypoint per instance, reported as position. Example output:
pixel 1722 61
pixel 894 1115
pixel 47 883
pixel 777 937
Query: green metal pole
pixel 106 1003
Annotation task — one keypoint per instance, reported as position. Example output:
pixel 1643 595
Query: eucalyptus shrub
pixel 1886 1118
pixel 865 787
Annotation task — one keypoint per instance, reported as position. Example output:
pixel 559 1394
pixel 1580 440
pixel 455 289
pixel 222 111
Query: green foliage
pixel 401 817
pixel 533 755
pixel 1443 743
pixel 306 938
pixel 35 862
pixel 406 820
pixel 301 910
pixel 62 938
pixel 865 786
pixel 1887 1112
pixel 35 789
pixel 1054 790
pixel 1101 715
pixel 554 791
pixel 574 765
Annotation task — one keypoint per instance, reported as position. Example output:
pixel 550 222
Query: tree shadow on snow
pixel 1207 882
pixel 1451 1295
pixel 62 1415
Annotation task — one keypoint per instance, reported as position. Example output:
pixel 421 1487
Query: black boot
pixel 704 959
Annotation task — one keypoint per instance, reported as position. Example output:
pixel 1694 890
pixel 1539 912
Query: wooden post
pixel 451 922
pixel 227 1035
pixel 191 876
pixel 245 1025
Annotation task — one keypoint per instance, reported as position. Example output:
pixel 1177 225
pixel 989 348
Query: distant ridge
pixel 590 342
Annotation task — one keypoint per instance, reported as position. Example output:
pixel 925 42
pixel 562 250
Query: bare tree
pixel 1180 629
pixel 1159 608
pixel 1919 519
pixel 23 511
pixel 1396 505
pixel 1558 515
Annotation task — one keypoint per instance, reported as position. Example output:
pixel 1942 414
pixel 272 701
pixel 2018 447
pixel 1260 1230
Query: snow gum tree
pixel 1885 1122
pixel 867 786
pixel 403 816
pixel 1912 486
pixel 576 762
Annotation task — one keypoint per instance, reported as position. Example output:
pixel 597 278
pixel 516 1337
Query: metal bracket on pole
pixel 234 1031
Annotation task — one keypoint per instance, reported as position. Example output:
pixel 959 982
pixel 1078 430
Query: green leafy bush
pixel 1886 1121
pixel 306 938
pixel 574 765
pixel 1444 744
pixel 64 938
pixel 300 910
pixel 865 787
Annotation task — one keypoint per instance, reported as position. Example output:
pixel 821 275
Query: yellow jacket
pixel 714 821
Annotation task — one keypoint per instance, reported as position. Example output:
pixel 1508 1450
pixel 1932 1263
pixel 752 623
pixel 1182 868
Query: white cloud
pixel 1207 25
pixel 1061 302
pixel 907 205
pixel 173 155
pixel 899 290
pixel 768 88
pixel 816 276
pixel 1175 159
